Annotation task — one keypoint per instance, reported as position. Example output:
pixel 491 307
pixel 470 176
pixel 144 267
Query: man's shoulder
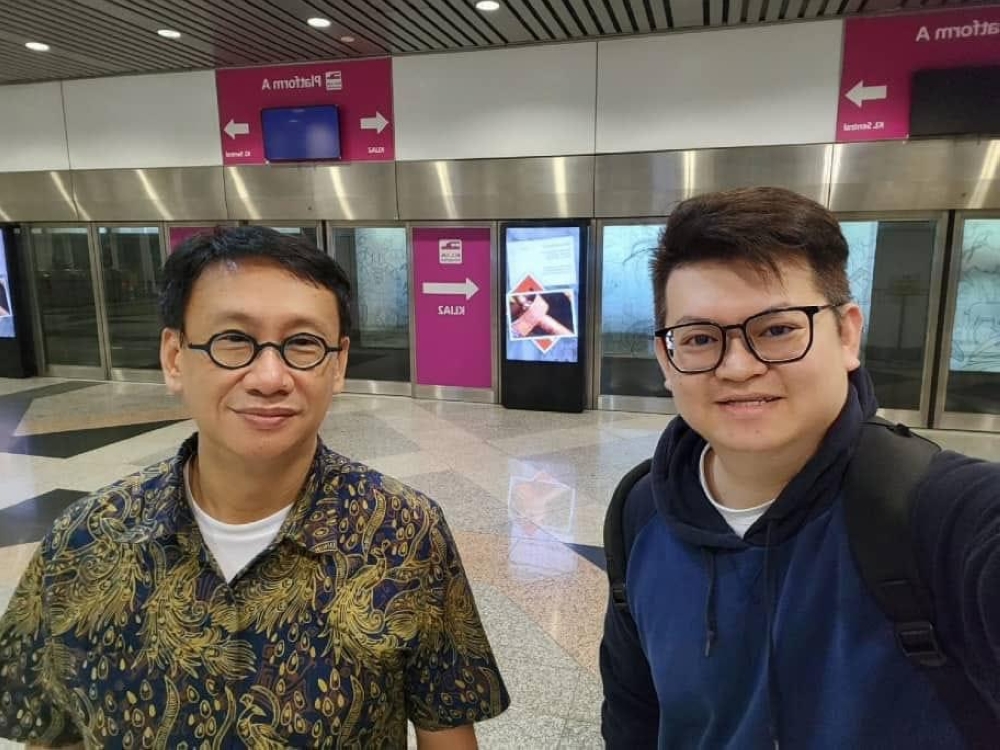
pixel 114 512
pixel 360 500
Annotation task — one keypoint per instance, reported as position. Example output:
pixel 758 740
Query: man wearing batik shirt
pixel 257 590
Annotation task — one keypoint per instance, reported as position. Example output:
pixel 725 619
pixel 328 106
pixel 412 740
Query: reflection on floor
pixel 524 492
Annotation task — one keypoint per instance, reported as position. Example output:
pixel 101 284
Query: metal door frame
pixel 610 402
pixel 953 420
pixel 376 387
pixel 77 372
pixel 489 395
pixel 921 416
pixel 126 374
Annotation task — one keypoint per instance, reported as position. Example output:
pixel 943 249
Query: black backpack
pixel 886 468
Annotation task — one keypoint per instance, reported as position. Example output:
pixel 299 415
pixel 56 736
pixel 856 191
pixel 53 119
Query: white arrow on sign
pixel 376 123
pixel 861 93
pixel 467 287
pixel 234 129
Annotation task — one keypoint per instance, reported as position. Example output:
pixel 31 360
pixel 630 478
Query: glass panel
pixel 628 365
pixel 974 376
pixel 64 281
pixel 376 262
pixel 890 267
pixel 132 265
pixel 308 232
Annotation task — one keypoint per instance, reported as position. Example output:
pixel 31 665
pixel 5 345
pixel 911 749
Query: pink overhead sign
pixel 360 89
pixel 882 54
pixel 453 306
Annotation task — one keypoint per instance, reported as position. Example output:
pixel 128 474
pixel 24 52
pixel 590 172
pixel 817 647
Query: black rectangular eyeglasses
pixel 773 337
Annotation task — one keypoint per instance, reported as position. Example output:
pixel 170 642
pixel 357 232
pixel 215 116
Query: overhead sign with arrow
pixel 882 54
pixel 361 90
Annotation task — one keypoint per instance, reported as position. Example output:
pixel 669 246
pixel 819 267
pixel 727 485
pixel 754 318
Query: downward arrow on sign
pixel 861 93
pixel 467 287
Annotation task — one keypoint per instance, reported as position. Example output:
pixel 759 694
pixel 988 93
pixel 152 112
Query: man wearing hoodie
pixel 748 622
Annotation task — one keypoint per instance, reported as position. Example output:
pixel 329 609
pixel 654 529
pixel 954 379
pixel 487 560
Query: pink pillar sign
pixel 179 234
pixel 882 54
pixel 454 306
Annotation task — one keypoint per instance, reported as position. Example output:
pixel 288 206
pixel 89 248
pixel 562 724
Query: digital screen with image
pixel 6 296
pixel 542 293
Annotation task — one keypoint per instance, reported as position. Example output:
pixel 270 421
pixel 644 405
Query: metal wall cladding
pixel 37 196
pixel 915 175
pixel 529 188
pixel 652 184
pixel 343 192
pixel 167 194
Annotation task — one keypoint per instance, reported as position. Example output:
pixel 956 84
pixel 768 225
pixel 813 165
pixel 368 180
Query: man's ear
pixel 340 375
pixel 170 359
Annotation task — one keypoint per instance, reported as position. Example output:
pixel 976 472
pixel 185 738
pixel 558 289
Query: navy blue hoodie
pixel 773 639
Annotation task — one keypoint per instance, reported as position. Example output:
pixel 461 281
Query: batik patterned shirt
pixel 124 633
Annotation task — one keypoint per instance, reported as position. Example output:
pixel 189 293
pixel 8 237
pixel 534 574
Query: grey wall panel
pixel 651 184
pixel 528 188
pixel 915 176
pixel 168 194
pixel 347 192
pixel 37 196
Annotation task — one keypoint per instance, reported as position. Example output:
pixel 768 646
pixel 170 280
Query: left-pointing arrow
pixel 467 287
pixel 234 128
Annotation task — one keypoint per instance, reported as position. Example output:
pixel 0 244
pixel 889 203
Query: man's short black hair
pixel 226 244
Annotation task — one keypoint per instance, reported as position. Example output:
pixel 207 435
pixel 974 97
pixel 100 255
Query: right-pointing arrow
pixel 376 123
pixel 467 288
pixel 861 93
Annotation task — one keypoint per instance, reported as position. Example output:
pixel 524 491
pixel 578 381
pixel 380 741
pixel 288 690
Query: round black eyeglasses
pixel 773 337
pixel 232 350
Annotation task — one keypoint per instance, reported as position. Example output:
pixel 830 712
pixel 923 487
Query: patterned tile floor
pixel 524 492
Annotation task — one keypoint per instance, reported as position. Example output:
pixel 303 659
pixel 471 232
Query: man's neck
pixel 234 491
pixel 741 480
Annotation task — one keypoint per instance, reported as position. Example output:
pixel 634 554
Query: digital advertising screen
pixel 542 290
pixel 6 295
pixel 301 133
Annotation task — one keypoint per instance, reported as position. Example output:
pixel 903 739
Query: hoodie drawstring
pixel 711 622
pixel 773 697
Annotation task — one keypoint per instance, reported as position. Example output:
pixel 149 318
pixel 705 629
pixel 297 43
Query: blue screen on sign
pixel 301 133
pixel 6 296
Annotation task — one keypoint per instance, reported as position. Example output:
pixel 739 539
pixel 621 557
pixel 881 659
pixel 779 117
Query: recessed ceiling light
pixel 487 5
pixel 169 33
pixel 37 46
pixel 347 39
pixel 319 23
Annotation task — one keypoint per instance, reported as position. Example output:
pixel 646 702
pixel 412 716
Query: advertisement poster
pixel 6 296
pixel 542 294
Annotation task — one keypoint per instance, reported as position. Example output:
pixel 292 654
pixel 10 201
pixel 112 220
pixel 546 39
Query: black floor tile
pixel 74 442
pixel 31 520
pixel 591 553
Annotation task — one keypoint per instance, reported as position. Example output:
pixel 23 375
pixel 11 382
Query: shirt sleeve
pixel 452 677
pixel 27 712
pixel 630 715
pixel 957 525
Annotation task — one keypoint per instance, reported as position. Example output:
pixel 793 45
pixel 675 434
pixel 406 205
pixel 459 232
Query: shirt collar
pixel 311 524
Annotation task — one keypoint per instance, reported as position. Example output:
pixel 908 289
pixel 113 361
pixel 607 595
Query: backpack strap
pixel 615 553
pixel 888 463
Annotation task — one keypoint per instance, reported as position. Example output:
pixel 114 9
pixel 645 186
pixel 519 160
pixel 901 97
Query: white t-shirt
pixel 234 545
pixel 739 521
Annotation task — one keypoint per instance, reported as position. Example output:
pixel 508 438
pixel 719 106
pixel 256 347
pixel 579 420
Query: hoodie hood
pixel 681 501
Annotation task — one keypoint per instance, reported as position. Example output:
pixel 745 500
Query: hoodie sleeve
pixel 957 533
pixel 630 715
